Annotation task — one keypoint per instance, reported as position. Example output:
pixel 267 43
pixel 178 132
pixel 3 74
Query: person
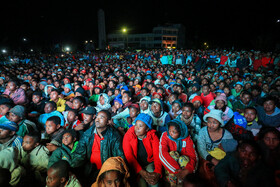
pixel 89 148
pixel 59 176
pixel 67 92
pixel 221 104
pixel 269 113
pixel 103 102
pixel 199 108
pixel 244 101
pixel 117 107
pixel 251 117
pixel 60 103
pixel 69 144
pixel 15 93
pixel 18 115
pixel 191 120
pixel 207 96
pixel 141 149
pixel 177 139
pixel 160 117
pixel 176 109
pixel 237 90
pixel 5 105
pixel 34 157
pixel 54 132
pixel 213 140
pixel 244 167
pixel 71 119
pixel 113 172
pixel 144 104
pixel 37 105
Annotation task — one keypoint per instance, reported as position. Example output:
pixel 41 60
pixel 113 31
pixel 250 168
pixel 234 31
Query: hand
pixel 154 178
pixel 79 127
pixel 145 175
pixel 51 147
pixel 69 104
pixel 182 173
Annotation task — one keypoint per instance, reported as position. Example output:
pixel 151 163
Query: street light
pixel 24 39
pixel 124 31
pixel 4 51
pixel 67 49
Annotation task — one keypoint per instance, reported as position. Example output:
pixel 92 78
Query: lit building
pixel 166 36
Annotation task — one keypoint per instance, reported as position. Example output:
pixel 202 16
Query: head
pixel 88 114
pixel 30 141
pixel 188 110
pixel 118 103
pixel 144 92
pixel 269 105
pixel 58 174
pixel 174 130
pixel 54 95
pixel 238 87
pixel 156 107
pixel 72 116
pixel 17 113
pixel 5 107
pixel 111 178
pixel 50 106
pixel 176 106
pixel 78 102
pixel 214 120
pixel 246 97
pixel 143 123
pixel 37 97
pixel 221 101
pixel 205 89
pixel 52 124
pixel 248 153
pixel 69 137
pixel 7 129
pixel 102 119
pixel 12 85
pixel 270 137
pixel 250 114
pixel 126 97
pixel 134 110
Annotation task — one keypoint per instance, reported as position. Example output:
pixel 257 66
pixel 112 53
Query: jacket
pixel 111 146
pixel 151 144
pixel 183 145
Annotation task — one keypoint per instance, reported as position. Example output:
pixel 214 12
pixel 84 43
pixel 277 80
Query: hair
pixel 56 90
pixel 251 108
pixel 52 103
pixel 190 105
pixel 245 92
pixel 55 119
pixel 250 142
pixel 81 99
pixel 206 85
pixel 70 131
pixel 266 130
pixel 62 167
pixel 128 93
pixel 35 135
pixel 270 98
pixel 107 113
pixel 175 125
pixel 103 175
pixel 75 111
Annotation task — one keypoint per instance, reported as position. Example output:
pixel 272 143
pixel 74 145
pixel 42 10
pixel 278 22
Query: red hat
pixel 98 86
pixel 67 79
pixel 89 80
pixel 197 98
pixel 83 71
pixel 160 74
pixel 75 70
pixel 134 105
pixel 157 93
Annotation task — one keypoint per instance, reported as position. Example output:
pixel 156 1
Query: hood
pixel 161 105
pixel 183 128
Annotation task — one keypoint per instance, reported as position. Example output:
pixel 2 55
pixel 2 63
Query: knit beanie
pixel 147 119
pixel 221 97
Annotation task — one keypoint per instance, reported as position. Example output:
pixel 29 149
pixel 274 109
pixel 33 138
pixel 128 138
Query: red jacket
pixel 207 99
pixel 151 143
pixel 188 149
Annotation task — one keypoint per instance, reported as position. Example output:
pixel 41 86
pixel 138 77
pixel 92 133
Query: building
pixel 166 36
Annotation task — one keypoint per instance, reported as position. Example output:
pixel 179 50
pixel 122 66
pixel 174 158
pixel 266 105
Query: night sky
pixel 220 23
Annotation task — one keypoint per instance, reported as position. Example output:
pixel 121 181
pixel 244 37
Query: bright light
pixel 67 48
pixel 278 21
pixel 124 30
pixel 86 41
pixel 31 50
pixel 4 51
pixel 205 43
pixel 90 41
pixel 24 39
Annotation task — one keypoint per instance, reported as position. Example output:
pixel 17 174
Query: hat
pixel 89 80
pixel 134 105
pixel 125 88
pixel 220 91
pixel 239 120
pixel 38 93
pixel 240 83
pixel 98 86
pixel 216 114
pixel 179 101
pixel 117 99
pixel 83 71
pixel 149 77
pixel 156 100
pixel 221 97
pixel 197 98
pixel 68 86
pixel 67 79
pixel 18 110
pixel 44 83
pixel 147 119
pixel 158 94
pixel 146 98
pixel 160 74
pixel 90 110
pixel 80 90
pixel 7 124
pixel 138 86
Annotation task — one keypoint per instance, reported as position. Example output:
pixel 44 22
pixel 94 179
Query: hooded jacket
pixel 151 144
pixel 106 105
pixel 116 164
pixel 183 145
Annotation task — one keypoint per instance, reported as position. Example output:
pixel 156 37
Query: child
pixel 141 149
pixel 117 107
pixel 69 144
pixel 251 117
pixel 60 103
pixel 5 105
pixel 177 139
pixel 34 157
pixel 95 97
pixel 206 95
pixel 72 119
pixel 37 105
pixel 113 170
pixel 103 102
pixel 238 87
pixel 144 104
pixel 176 109
pixel 190 119
pixel 199 108
pixel 59 175
pixel 67 93
pixel 54 131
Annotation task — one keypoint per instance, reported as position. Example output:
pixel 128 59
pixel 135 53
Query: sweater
pixel 151 144
pixel 272 120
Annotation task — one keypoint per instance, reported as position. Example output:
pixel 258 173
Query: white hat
pixel 216 114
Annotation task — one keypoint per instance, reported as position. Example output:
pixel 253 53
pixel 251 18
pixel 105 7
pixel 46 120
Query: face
pixel 28 143
pixel 112 179
pixel 227 91
pixel 77 104
pixel 4 134
pixel 14 118
pixel 51 127
pixel 220 104
pixel 117 105
pixel 133 112
pixel 36 99
pixel 66 90
pixel 11 86
pixel 88 118
pixel 144 105
pixel 97 91
pixel 171 99
pixel 238 88
pixel 245 98
pixel 187 112
pixel 54 96
pixel 196 104
pixel 144 93
pixel 125 98
pixel 173 132
pixel 176 107
pixel 101 100
pixel 205 90
pixel 155 107
pixel 4 110
pixel 271 140
pixel 248 155
pixel 53 179
pixel 141 129
pixel 71 117
pixel 213 124
pixel 67 139
pixel 250 115
pixel 101 120
pixel 269 106
pixel 48 108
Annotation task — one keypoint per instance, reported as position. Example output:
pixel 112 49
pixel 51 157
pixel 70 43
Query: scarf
pixel 187 121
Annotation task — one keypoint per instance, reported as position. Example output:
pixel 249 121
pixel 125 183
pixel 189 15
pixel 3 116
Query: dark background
pixel 242 24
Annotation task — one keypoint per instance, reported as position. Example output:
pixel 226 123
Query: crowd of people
pixel 140 118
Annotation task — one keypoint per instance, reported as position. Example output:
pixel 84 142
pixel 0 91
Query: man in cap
pixel 88 115
pixel 17 115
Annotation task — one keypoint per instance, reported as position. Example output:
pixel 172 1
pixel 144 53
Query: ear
pixel 57 126
pixel 36 144
pixel 12 133
pixel 62 180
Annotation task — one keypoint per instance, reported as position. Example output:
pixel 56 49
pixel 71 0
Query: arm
pixel 201 143
pixel 190 152
pixel 61 106
pixel 157 163
pixel 56 156
pixel 79 155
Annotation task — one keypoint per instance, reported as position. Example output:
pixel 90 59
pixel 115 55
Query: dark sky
pixel 46 22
